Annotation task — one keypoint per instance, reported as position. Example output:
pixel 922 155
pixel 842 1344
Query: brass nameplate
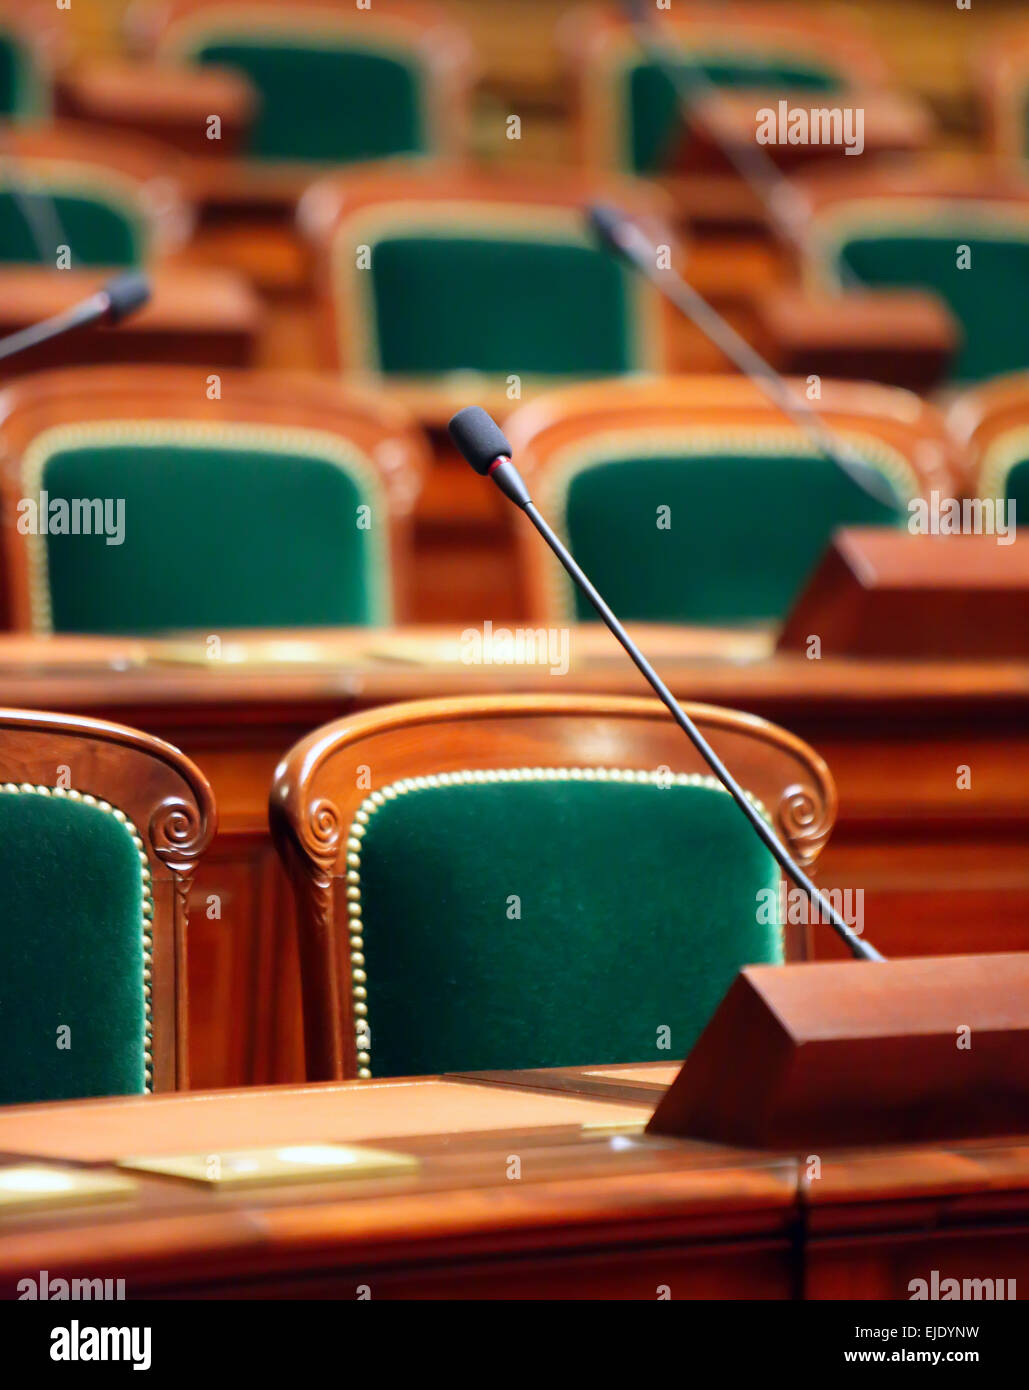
pixel 34 1186
pixel 289 1163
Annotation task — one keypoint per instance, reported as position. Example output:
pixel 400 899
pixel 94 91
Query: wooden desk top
pixel 343 668
pixel 195 315
pixel 529 1184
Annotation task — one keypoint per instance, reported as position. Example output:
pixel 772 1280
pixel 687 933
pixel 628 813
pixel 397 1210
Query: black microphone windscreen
pixel 125 295
pixel 479 438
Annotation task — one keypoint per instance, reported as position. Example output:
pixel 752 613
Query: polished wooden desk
pixel 532 1185
pixel 944 867
pixel 198 315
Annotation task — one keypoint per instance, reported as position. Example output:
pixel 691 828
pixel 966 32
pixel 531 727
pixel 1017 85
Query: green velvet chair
pixel 101 828
pixel 435 279
pixel 530 881
pixel 972 252
pixel 206 515
pixel 630 107
pixel 334 84
pixel 101 225
pixel 651 100
pixel 74 198
pixel 690 500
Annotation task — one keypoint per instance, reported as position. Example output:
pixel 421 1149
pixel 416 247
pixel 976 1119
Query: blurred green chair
pixel 990 423
pixel 32 42
pixel 694 500
pixel 441 281
pixel 72 198
pixel 629 109
pixel 334 83
pixel 960 231
pixel 197 513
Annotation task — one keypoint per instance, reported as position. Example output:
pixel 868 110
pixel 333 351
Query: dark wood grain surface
pixel 590 1209
pixel 943 868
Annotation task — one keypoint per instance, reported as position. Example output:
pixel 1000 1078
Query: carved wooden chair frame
pixel 168 806
pixel 319 791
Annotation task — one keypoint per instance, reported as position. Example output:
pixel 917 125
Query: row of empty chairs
pixel 413 68
pixel 399 919
pixel 392 84
pixel 283 500
pixel 280 501
pixel 405 252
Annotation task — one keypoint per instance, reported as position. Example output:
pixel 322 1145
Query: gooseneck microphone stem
pixel 622 235
pixel 783 204
pixel 118 298
pixel 862 949
pixel 79 317
pixel 482 443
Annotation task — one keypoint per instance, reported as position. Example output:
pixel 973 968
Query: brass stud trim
pixel 466 777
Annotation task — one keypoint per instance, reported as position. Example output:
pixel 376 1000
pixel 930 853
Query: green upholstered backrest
pixel 237 527
pixel 75 927
pixel 22 89
pixel 992 317
pixel 500 304
pixel 707 527
pixel 536 919
pixel 98 227
pixel 654 128
pixel 331 101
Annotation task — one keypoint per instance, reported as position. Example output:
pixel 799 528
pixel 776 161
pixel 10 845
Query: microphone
pixel 125 294
pixel 118 299
pixel 755 166
pixel 483 444
pixel 623 236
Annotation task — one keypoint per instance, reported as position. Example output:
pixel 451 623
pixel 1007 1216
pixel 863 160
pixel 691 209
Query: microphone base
pixel 831 1054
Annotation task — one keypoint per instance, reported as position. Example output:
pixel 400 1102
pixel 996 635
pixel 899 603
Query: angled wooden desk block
pixel 850 1052
pixel 597 1210
pixel 906 337
pixel 880 592
pixel 197 315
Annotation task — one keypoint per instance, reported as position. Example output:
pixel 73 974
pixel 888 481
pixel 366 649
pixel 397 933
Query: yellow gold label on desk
pixel 288 1163
pixel 36 1186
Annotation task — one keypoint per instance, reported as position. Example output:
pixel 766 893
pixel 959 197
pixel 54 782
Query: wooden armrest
pixel 171 103
pixel 906 337
pixel 203 316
